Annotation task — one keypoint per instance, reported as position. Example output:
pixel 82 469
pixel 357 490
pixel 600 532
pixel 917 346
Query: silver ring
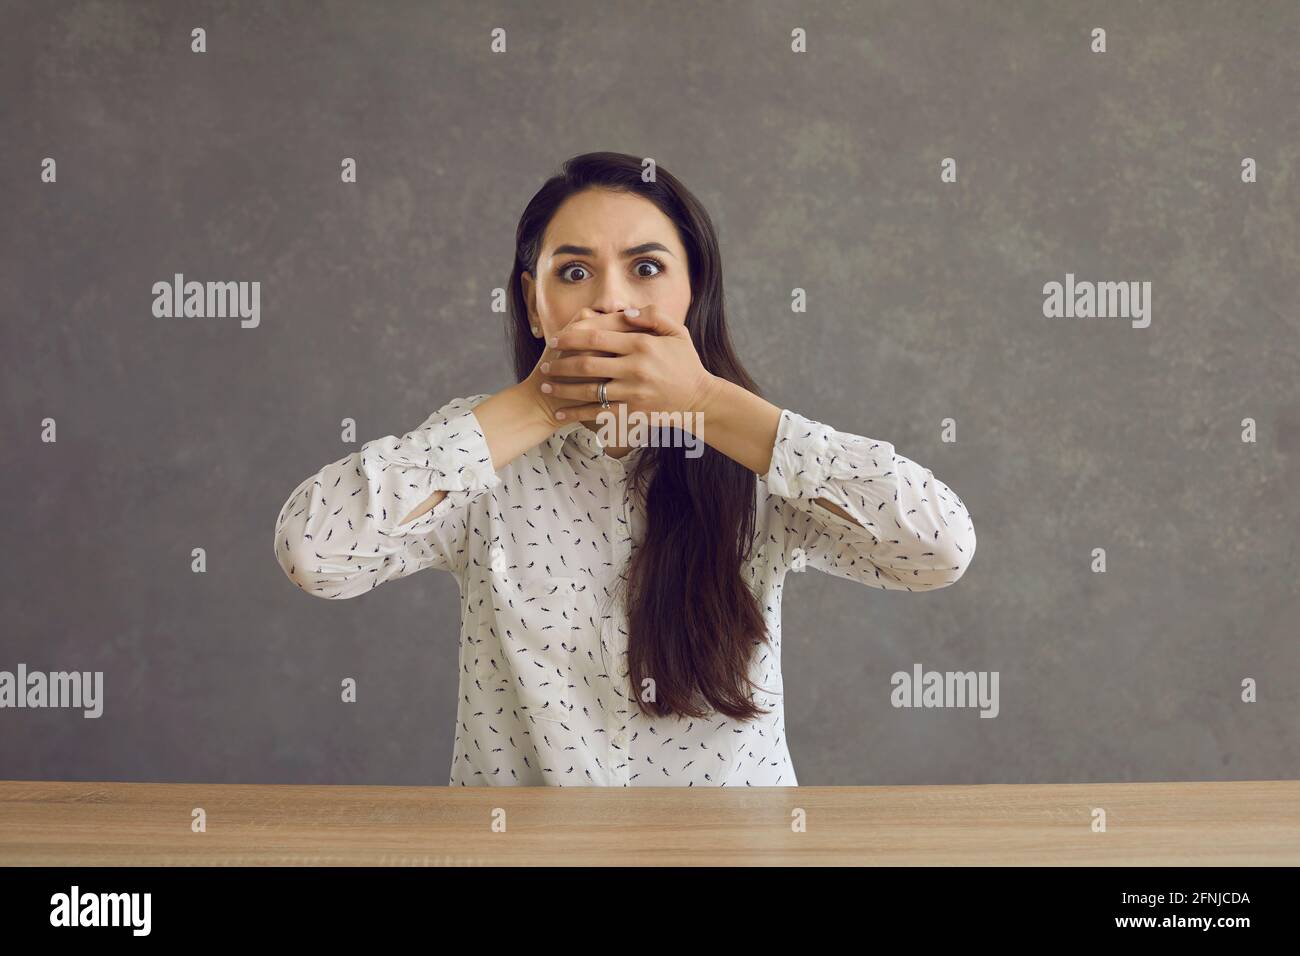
pixel 604 402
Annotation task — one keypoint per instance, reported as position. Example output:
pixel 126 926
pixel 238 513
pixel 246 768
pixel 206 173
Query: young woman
pixel 620 599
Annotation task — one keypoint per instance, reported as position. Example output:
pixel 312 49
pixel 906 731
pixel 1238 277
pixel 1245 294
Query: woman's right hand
pixel 517 418
pixel 614 321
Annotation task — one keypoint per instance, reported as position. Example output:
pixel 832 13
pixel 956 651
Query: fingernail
pixel 559 414
pixel 546 366
pixel 552 341
pixel 546 387
pixel 632 312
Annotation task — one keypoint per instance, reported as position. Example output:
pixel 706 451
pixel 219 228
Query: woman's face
pixel 607 251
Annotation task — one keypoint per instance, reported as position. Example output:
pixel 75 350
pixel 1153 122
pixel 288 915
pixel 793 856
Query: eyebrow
pixel 573 250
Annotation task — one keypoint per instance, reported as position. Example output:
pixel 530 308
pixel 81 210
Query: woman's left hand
pixel 655 372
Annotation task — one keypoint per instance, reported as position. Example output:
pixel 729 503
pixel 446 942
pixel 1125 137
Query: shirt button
pixel 621 739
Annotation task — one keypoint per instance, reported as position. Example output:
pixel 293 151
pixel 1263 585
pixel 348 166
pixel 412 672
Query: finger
pixel 590 318
pixel 560 405
pixel 584 366
pixel 598 340
pixel 581 391
pixel 583 315
pixel 548 355
pixel 650 319
pixel 587 413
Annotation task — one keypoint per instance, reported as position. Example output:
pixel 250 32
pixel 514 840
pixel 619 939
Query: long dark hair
pixel 693 620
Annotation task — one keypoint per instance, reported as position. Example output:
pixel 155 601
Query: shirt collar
pixel 583 440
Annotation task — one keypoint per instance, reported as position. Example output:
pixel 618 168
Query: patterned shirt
pixel 538 549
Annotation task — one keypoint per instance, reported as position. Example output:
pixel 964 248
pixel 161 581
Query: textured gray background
pixel 821 171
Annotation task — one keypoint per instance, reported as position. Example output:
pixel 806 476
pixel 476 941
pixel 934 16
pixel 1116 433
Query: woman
pixel 621 598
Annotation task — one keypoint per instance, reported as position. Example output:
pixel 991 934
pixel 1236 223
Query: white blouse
pixel 537 549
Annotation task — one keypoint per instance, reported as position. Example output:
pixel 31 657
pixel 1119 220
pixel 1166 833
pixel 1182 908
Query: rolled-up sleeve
pixel 340 533
pixel 910 530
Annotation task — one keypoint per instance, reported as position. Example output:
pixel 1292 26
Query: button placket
pixel 622 538
pixel 622 543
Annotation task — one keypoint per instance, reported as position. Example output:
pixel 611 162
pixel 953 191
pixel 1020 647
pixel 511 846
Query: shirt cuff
pixel 808 457
pixel 449 453
pixel 473 456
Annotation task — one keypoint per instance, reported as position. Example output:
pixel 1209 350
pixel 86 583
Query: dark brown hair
pixel 693 620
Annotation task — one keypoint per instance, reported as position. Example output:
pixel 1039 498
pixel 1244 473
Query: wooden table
pixel 1160 824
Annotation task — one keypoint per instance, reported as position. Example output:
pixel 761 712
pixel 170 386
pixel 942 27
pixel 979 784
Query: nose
pixel 612 296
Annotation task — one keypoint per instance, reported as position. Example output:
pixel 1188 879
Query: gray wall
pixel 822 172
